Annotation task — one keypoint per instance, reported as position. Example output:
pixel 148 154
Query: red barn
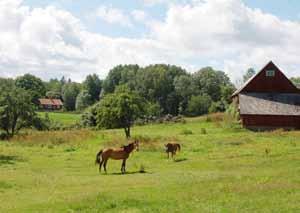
pixel 50 104
pixel 269 100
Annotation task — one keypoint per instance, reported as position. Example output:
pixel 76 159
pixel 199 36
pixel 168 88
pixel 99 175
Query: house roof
pixel 269 104
pixel 256 76
pixel 45 101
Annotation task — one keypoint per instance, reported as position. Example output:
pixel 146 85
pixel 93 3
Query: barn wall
pixel 272 121
pixel 278 83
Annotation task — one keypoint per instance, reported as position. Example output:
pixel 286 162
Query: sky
pixel 74 38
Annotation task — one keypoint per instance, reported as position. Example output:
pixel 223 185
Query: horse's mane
pixel 125 147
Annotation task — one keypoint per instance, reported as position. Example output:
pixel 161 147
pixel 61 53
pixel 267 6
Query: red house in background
pixel 50 104
pixel 269 100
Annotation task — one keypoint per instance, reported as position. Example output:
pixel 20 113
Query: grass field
pixel 62 117
pixel 218 170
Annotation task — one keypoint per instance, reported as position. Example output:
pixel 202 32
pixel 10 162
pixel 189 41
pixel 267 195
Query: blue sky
pixel 52 38
pixel 287 9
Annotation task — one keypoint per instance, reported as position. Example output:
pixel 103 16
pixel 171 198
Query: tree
pixel 83 100
pixel 249 73
pixel 156 84
pixel 16 110
pixel 120 75
pixel 93 86
pixel 119 110
pixel 296 81
pixel 33 85
pixel 69 94
pixel 209 81
pixel 199 105
pixel 184 88
pixel 53 95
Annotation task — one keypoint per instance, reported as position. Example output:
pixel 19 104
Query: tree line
pixel 128 93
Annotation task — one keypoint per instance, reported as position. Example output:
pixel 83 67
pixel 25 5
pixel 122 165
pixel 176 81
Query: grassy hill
pixel 219 170
pixel 62 117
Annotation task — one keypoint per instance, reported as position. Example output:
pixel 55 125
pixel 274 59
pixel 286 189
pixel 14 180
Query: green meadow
pixel 220 169
pixel 61 117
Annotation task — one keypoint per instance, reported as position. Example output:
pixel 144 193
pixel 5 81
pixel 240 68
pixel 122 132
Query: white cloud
pixel 139 15
pixel 113 16
pixel 230 32
pixel 51 42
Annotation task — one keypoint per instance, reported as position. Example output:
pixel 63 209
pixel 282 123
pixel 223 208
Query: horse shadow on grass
pixel 128 173
pixel 9 159
pixel 178 160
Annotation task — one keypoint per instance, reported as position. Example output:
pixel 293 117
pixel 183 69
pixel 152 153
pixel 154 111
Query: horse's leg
pixel 104 165
pixel 123 166
pixel 100 165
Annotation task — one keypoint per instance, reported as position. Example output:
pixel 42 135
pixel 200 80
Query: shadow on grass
pixel 9 159
pixel 180 160
pixel 127 173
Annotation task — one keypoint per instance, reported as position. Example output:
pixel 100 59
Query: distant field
pixel 219 170
pixel 62 117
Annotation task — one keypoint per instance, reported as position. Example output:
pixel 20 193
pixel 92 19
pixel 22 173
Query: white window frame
pixel 270 73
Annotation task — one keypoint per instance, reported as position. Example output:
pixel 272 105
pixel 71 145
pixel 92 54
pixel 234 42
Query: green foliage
pixel 249 73
pixel 69 95
pixel 89 116
pixel 155 83
pixel 53 95
pixel 199 105
pixel 83 100
pixel 119 75
pixel 119 110
pixel 93 86
pixel 187 132
pixel 296 81
pixel 16 110
pixel 218 106
pixel 33 85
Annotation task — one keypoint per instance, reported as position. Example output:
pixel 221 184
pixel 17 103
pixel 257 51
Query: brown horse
pixel 172 148
pixel 116 154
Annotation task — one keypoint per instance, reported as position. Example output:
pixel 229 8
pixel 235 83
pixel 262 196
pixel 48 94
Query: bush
pixel 187 132
pixel 218 106
pixel 199 105
pixel 4 136
pixel 203 131
pixel 89 117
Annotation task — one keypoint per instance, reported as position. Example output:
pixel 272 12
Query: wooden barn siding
pixel 278 83
pixel 270 121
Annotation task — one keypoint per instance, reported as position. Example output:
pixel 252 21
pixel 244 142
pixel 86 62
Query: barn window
pixel 270 73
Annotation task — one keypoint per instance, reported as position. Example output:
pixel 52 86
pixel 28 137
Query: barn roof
pixel 288 85
pixel 45 101
pixel 269 104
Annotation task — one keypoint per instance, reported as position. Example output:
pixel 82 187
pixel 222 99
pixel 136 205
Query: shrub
pixel 203 131
pixel 199 105
pixel 187 132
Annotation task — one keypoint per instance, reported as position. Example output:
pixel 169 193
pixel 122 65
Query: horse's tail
pixel 179 147
pixel 98 157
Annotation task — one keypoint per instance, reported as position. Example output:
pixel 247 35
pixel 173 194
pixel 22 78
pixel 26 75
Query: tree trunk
pixel 127 131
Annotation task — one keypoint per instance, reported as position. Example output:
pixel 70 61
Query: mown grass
pixel 223 170
pixel 62 117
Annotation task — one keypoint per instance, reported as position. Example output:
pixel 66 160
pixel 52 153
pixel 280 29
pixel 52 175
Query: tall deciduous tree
pixel 83 100
pixel 93 86
pixel 119 110
pixel 249 73
pixel 33 85
pixel 70 92
pixel 16 110
pixel 296 81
